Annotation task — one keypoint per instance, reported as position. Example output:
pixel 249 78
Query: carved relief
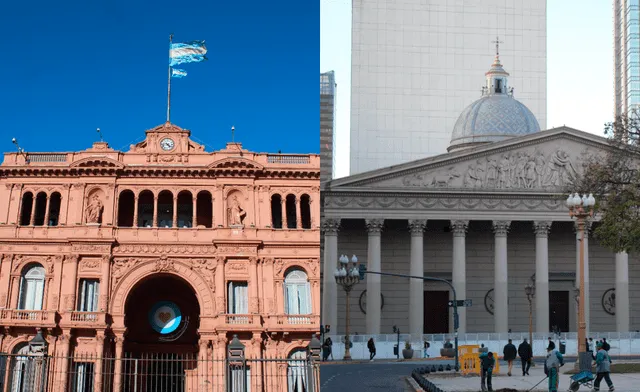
pixel 89 264
pixel 166 249
pixel 277 267
pixel 120 268
pixel 237 267
pixel 93 210
pixel 236 249
pixel 330 226
pixel 164 264
pixel 207 269
pixel 68 302
pixel 254 304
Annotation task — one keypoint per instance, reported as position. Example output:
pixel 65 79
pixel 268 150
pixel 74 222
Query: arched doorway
pixel 162 318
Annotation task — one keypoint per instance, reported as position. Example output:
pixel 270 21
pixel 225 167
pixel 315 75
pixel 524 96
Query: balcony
pixel 77 319
pixel 294 322
pixel 28 318
pixel 242 322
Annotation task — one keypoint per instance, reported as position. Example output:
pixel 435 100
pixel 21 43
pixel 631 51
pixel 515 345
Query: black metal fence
pixel 155 373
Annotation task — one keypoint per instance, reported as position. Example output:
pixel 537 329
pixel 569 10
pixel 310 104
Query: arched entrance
pixel 162 319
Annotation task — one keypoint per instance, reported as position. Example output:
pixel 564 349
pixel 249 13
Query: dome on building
pixel 496 116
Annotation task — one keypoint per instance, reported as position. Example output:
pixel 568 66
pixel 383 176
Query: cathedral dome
pixel 496 116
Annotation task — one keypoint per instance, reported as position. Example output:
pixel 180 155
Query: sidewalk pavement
pixel 623 382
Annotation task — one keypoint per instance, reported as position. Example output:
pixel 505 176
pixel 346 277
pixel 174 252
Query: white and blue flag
pixel 188 52
pixel 178 73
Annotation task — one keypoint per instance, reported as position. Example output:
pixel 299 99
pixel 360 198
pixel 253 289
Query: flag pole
pixel 169 81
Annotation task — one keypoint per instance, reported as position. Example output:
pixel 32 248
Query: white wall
pixel 417 64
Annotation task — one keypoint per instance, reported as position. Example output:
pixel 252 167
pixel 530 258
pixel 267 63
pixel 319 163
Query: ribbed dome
pixel 490 119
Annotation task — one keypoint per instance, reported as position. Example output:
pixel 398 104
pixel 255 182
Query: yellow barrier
pixel 470 363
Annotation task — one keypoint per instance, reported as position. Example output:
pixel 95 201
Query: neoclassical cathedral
pixel 165 249
pixel 490 217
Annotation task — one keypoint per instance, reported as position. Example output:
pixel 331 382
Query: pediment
pixel 97 162
pixel 167 138
pixel 236 163
pixel 547 161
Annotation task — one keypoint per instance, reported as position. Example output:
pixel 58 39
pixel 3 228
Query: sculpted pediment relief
pixel 547 166
pixel 236 163
pixel 97 162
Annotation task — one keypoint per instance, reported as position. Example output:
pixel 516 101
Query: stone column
pixel 105 284
pixel 622 292
pixel 374 228
pixel 46 211
pixel 459 275
pixel 299 212
pixel 14 296
pixel 587 305
pixel 64 341
pixel 194 218
pixel 283 202
pixel 416 287
pixel 117 371
pixel 253 290
pixel 541 228
pixel 155 210
pixel 97 380
pixel 221 288
pixel 71 272
pixel 175 212
pixel 32 222
pixel 500 280
pixel 330 228
pixel 135 210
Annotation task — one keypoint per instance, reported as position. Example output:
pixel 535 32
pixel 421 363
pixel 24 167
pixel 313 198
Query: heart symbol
pixel 164 316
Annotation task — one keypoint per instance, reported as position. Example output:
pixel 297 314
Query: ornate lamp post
pixel 530 291
pixel 347 275
pixel 581 209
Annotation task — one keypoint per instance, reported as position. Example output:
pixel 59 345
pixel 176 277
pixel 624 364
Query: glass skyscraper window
pixel 626 55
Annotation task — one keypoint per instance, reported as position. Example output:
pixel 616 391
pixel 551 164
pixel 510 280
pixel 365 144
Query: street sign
pixel 461 303
pixel 362 269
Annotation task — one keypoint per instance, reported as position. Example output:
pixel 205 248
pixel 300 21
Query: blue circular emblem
pixel 165 317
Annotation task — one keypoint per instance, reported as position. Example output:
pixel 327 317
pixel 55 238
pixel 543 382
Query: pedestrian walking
pixel 590 345
pixel 552 366
pixel 603 368
pixel 372 349
pixel 509 353
pixel 426 349
pixel 526 356
pixel 328 351
pixel 605 345
pixel 487 362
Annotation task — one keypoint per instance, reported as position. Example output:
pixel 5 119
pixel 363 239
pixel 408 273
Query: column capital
pixel 417 226
pixel 330 226
pixel 374 226
pixel 501 228
pixel 542 228
pixel 459 227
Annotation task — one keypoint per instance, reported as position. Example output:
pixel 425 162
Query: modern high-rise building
pixel 626 27
pixel 327 124
pixel 417 65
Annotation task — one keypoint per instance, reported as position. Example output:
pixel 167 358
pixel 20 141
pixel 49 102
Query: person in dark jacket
pixel 487 362
pixel 526 356
pixel 605 345
pixel 447 344
pixel 372 349
pixel 327 348
pixel 509 353
pixel 603 369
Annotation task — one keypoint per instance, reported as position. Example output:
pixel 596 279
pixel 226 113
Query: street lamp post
pixel 581 209
pixel 347 275
pixel 530 291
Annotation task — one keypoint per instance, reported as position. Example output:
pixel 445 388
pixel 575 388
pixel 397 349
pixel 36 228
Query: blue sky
pixel 73 66
pixel 579 66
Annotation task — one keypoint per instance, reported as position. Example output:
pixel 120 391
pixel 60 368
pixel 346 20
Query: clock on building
pixel 167 144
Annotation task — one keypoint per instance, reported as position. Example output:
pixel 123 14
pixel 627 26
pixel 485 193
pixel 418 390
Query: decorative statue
pixel 236 213
pixel 93 211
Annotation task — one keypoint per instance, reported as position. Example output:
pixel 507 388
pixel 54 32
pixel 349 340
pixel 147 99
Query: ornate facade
pixel 165 248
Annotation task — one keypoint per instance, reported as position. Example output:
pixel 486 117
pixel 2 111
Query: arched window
pixel 297 371
pixel 27 205
pixel 276 211
pixel 31 288
pixel 305 211
pixel 41 209
pixel 165 209
pixel 145 209
pixel 204 210
pixel 21 373
pixel 126 208
pixel 185 209
pixel 54 209
pixel 297 295
pixel 291 212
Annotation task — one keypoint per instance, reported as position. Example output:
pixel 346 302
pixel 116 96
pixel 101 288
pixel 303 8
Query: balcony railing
pixel 47 157
pixel 289 159
pixel 27 317
pixel 242 319
pixel 297 319
pixel 83 319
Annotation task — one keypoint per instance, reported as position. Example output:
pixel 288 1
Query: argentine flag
pixel 178 73
pixel 188 52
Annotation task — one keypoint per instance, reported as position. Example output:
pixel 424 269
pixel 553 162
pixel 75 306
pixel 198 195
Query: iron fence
pixel 155 373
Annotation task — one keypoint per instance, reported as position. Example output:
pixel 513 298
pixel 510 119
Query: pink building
pixel 164 250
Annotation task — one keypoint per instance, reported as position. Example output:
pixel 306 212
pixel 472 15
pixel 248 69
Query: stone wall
pixel 480 246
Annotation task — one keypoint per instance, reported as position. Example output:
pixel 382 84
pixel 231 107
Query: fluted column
pixel 155 210
pixel 416 287
pixel 175 212
pixel 622 292
pixel 253 289
pixel 46 211
pixel 135 210
pixel 374 289
pixel 459 275
pixel 500 280
pixel 330 228
pixel 541 228
pixel 587 303
pixel 117 371
pixel 64 342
